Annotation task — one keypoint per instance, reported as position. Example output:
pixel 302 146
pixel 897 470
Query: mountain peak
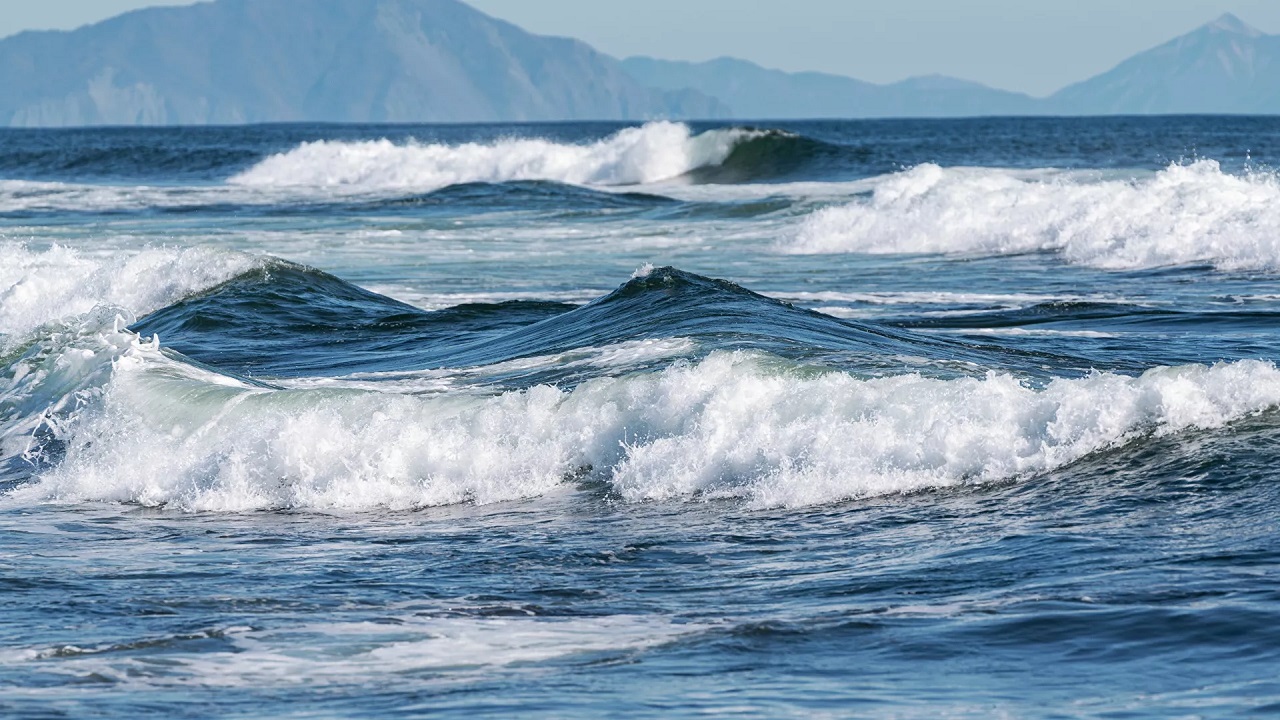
pixel 1229 23
pixel 357 61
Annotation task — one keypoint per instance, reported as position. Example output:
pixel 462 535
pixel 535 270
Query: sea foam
pixel 734 425
pixel 653 152
pixel 360 652
pixel 1185 214
pixel 38 287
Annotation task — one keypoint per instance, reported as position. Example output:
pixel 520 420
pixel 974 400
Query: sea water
pixel 969 418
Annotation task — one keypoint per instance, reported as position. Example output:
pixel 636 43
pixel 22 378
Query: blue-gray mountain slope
pixel 756 92
pixel 1222 68
pixel 246 61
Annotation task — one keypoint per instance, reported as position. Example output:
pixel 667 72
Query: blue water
pixel 967 418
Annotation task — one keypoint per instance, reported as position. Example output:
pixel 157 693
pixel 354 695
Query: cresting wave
pixel 491 403
pixel 656 151
pixel 740 424
pixel 1183 215
pixel 39 287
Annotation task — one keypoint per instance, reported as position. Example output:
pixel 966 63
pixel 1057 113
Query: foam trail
pixel 42 287
pixel 738 424
pixel 1184 214
pixel 653 152
pixel 362 652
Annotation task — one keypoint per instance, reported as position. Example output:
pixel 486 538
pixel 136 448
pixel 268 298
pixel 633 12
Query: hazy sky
pixel 1036 46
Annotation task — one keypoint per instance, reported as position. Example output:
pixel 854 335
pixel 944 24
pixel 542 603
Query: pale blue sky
pixel 1035 46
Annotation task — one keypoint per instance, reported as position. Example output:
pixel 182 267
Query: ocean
pixel 962 418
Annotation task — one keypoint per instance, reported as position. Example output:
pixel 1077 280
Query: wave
pixel 738 424
pixel 1192 214
pixel 768 155
pixel 673 387
pixel 657 151
pixel 25 199
pixel 372 176
pixel 40 287
pixel 284 320
pixel 519 195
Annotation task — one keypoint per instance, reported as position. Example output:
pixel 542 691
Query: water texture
pixel 969 418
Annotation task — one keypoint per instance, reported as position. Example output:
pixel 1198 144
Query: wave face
pixel 657 151
pixel 1191 214
pixel 640 393
pixel 292 321
pixel 38 288
pixel 735 424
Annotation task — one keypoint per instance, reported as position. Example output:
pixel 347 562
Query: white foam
pixel 656 151
pixel 28 196
pixel 1184 214
pixel 441 301
pixel 1021 332
pixel 936 297
pixel 356 652
pixel 733 425
pixel 42 287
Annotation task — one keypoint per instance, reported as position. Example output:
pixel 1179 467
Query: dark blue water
pixel 967 418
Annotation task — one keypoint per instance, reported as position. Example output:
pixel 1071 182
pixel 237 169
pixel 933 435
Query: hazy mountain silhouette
pixel 752 91
pixel 244 61
pixel 1223 67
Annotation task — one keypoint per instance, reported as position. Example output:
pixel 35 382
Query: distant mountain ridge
pixel 1225 67
pixel 246 61
pixel 756 92
pixel 250 61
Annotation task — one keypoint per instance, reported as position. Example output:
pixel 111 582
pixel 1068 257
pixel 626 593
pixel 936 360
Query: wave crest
pixel 1183 215
pixel 656 151
pixel 736 424
pixel 41 287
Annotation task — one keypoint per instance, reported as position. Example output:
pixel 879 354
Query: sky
pixel 1033 46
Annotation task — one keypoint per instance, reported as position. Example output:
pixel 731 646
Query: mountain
pixel 1224 67
pixel 756 92
pixel 247 61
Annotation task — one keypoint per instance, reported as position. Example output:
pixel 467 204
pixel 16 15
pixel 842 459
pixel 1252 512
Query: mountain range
pixel 250 61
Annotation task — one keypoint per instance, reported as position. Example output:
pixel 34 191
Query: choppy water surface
pixel 972 418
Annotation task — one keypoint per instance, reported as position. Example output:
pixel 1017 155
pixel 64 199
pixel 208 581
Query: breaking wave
pixel 735 424
pixel 637 407
pixel 1192 214
pixel 657 151
pixel 39 287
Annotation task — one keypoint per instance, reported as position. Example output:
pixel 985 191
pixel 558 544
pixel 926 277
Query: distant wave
pixel 370 176
pixel 764 155
pixel 1183 215
pixel 655 152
